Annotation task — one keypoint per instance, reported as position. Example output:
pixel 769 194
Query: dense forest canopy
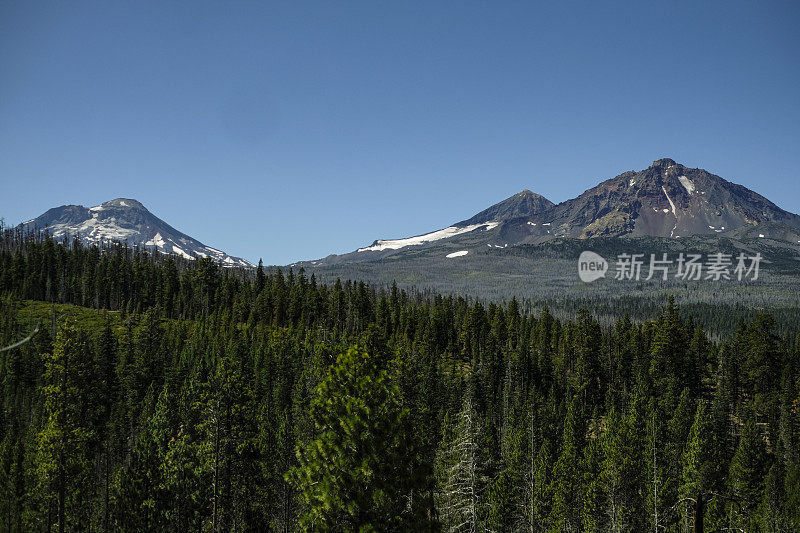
pixel 161 394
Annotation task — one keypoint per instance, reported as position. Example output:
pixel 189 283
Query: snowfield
pixel 460 253
pixel 687 184
pixel 446 233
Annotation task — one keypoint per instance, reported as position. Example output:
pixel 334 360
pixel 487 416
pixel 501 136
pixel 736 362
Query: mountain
pixel 523 204
pixel 125 220
pixel 480 226
pixel 529 248
pixel 666 199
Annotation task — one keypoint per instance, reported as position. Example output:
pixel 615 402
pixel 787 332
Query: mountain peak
pixel 665 162
pixel 120 202
pixel 125 220
pixel 529 193
pixel 522 204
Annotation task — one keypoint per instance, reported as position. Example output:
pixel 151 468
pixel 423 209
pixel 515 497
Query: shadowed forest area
pixel 159 394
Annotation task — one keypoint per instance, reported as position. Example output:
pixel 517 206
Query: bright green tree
pixel 360 470
pixel 63 462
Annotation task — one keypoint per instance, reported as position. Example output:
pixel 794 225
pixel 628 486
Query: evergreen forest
pixel 143 392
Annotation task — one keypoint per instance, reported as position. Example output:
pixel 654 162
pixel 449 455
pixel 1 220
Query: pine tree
pixel 697 460
pixel 762 360
pixel 670 365
pixel 185 471
pixel 567 504
pixel 139 500
pixel 593 516
pixel 748 468
pixel 260 277
pixel 773 501
pixel 64 445
pixel 622 470
pixel 360 470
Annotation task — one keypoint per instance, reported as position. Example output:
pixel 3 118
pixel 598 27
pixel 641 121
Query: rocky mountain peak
pixel 663 163
pixel 529 194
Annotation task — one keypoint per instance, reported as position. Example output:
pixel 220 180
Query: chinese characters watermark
pixel 686 267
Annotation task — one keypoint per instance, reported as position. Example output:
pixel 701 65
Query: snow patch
pixel 157 240
pixel 672 205
pixel 179 251
pixel 94 230
pixel 687 184
pixel 760 235
pixel 631 183
pixel 446 233
pixel 460 253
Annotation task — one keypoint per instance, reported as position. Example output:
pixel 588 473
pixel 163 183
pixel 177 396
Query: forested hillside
pixel 546 274
pixel 162 394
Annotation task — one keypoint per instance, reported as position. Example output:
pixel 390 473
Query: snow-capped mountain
pixel 666 199
pixel 125 220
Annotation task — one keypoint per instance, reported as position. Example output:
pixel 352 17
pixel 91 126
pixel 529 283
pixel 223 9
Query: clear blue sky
pixel 290 130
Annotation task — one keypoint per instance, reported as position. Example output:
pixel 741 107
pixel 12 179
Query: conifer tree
pixel 748 468
pixel 697 461
pixel 360 471
pixel 64 444
pixel 622 470
pixel 567 503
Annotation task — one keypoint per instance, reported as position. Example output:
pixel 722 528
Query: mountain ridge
pixel 666 199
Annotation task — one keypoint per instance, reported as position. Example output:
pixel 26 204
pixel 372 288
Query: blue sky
pixel 290 130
